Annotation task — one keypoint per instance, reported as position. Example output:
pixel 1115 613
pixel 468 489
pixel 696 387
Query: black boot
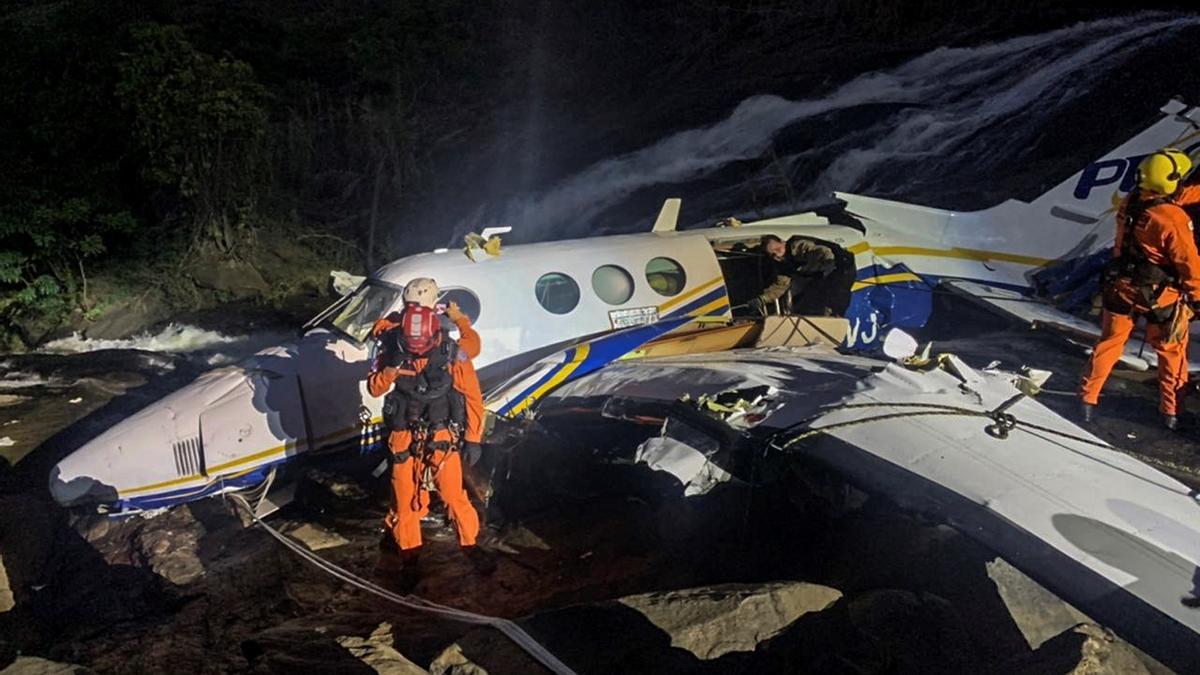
pixel 481 560
pixel 398 570
pixel 1087 412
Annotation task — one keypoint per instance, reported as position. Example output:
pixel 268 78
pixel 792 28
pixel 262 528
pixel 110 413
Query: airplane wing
pixel 661 338
pixel 1039 314
pixel 1105 532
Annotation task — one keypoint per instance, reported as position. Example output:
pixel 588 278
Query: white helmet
pixel 423 291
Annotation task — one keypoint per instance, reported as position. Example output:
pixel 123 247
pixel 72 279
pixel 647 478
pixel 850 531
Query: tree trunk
pixel 375 194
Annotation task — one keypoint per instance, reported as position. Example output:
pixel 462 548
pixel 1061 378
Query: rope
pixel 508 628
pixel 997 414
pixel 1002 422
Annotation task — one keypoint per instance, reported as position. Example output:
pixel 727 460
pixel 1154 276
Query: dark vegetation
pixel 159 156
pixel 144 139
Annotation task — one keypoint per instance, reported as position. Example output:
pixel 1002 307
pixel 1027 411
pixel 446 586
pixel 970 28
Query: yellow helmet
pixel 1161 172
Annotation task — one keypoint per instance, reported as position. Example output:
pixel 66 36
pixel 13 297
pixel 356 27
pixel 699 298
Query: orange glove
pixel 454 312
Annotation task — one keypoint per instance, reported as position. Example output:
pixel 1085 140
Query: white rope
pixel 510 629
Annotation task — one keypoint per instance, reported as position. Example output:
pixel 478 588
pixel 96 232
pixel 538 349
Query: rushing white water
pixel 943 101
pixel 212 347
pixel 173 338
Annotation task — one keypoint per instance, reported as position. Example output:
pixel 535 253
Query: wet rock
pixel 7 601
pixel 1038 613
pixel 454 662
pixel 520 536
pixel 920 632
pixel 339 486
pixel 1086 649
pixel 377 652
pixel 317 538
pixel 32 665
pixel 327 644
pixel 169 545
pixel 238 278
pixel 715 620
pixel 129 317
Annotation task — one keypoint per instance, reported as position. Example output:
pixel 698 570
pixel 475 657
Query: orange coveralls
pixel 412 503
pixel 1166 240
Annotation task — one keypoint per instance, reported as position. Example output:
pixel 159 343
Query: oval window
pixel 665 276
pixel 557 292
pixel 613 284
pixel 467 301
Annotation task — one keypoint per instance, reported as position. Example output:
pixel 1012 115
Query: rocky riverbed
pixel 602 563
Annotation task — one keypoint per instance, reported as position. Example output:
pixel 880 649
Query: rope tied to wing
pixel 1002 421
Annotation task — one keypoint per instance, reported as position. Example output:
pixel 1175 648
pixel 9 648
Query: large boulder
pixel 128 317
pixel 715 620
pixel 1039 614
pixel 1086 649
pixel 237 278
pixel 670 632
pixel 453 661
pixel 169 545
pixel 378 652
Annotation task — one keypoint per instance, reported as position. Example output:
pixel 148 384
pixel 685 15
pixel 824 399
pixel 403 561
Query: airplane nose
pixel 83 490
pixel 125 458
pixel 78 481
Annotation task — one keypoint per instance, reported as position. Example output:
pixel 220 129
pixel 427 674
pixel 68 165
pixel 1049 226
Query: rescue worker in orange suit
pixel 1155 273
pixel 434 409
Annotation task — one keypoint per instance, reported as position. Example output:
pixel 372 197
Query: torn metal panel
pixel 686 453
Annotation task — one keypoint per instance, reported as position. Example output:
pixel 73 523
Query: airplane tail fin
pixel 1070 220
pixel 1092 191
pixel 668 217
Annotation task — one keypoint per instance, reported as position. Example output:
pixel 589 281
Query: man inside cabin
pixel 795 265
pixel 434 411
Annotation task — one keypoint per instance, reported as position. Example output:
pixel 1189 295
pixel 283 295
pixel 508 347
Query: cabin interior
pixel 747 273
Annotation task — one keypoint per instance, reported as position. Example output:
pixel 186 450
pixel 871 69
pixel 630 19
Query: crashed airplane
pixel 647 319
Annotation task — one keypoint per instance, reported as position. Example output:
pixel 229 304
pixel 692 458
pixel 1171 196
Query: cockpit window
pixel 366 306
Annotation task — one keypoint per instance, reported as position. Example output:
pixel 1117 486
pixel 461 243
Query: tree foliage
pixel 199 122
pixel 137 131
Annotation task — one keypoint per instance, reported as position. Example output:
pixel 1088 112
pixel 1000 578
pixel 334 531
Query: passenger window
pixel 557 293
pixel 467 301
pixel 613 284
pixel 665 276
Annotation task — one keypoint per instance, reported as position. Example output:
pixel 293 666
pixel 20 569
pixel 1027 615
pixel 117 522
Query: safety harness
pixel 1130 283
pixel 423 402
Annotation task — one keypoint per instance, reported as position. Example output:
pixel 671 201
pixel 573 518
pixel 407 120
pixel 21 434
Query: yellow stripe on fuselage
pixel 884 279
pixel 715 304
pixel 699 290
pixel 340 434
pixel 564 371
pixel 957 253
